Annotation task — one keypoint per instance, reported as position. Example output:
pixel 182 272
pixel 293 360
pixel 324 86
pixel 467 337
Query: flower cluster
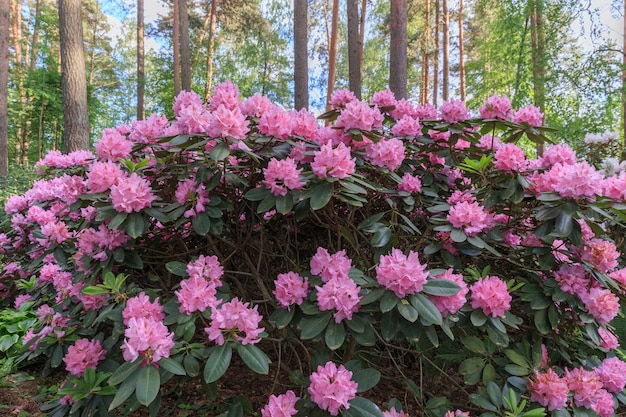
pixel 332 387
pixel 402 274
pixel 237 321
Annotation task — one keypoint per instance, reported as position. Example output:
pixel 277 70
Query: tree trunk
pixel 445 85
pixel 461 53
pixel 209 59
pixel 425 63
pixel 75 111
pixel 185 52
pixel 141 79
pixel 176 45
pixel 538 59
pixel 624 83
pixel 4 87
pixel 35 42
pixel 436 56
pixel 354 48
pixel 362 33
pixel 332 53
pixel 16 30
pixel 397 48
pixel 300 55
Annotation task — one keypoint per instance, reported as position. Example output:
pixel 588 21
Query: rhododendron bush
pixel 240 229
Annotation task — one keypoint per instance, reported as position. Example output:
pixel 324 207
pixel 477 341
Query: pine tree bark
pixel 436 56
pixel 300 56
pixel 445 85
pixel 461 53
pixel 397 48
pixel 16 31
pixel 185 51
pixel 332 54
pixel 74 85
pixel 176 45
pixel 425 60
pixel 4 87
pixel 354 48
pixel 538 59
pixel 141 78
pixel 209 59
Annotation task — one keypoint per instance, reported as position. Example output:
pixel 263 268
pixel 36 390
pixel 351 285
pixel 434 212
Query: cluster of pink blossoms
pixel 491 295
pixel 339 292
pixel 404 275
pixel 469 216
pixel 590 389
pixel 332 387
pixel 198 292
pixel 280 176
pixel 452 303
pixel 291 288
pixel 145 336
pixel 333 162
pixel 283 405
pixel 187 191
pixel 394 413
pixel 496 107
pixel 131 194
pixel 237 321
pixel 386 153
pixel 83 354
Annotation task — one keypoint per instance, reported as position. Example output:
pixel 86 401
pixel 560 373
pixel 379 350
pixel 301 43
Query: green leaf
pixel 268 203
pixel 282 317
pixel 192 366
pixel 321 195
pixel 361 407
pixel 478 318
pixel 125 390
pixel 148 384
pixel 426 309
pixel 563 225
pixel 201 224
pixel 388 302
pixel 95 290
pixel 366 378
pixel 407 311
pixel 381 237
pixel 284 203
pixel 123 372
pixel 255 358
pixel 117 220
pixel 170 365
pixel 313 326
pixel 218 363
pixel 458 235
pixel 220 151
pixel 135 225
pixel 257 194
pixel 474 344
pixel 372 296
pixel 441 287
pixel 177 268
pixel 335 335
pixel 516 358
pixel 471 365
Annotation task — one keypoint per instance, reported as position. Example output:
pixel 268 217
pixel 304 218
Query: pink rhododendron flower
pixel 113 146
pixel 549 390
pixel 146 338
pixel 256 105
pixel 225 122
pixel 403 108
pixel 558 154
pixel 471 217
pixel 330 266
pixel 283 405
pixel 291 288
pixel 603 403
pixel 333 162
pixel 196 294
pixel 607 339
pixel 140 306
pixel 511 238
pixel 225 94
pixel 510 158
pixel 340 294
pixel 496 107
pixel 280 176
pixel 394 413
pixel 585 384
pixel 384 98
pixel 602 304
pixel 529 114
pixel 21 299
pixel 491 295
pixel 237 319
pixel 407 126
pixel 207 267
pixel 102 176
pixel 410 184
pixel 453 111
pixel 193 118
pixel 144 131
pixel 303 123
pixel 457 413
pixel 573 279
pixel 186 99
pixel 332 388
pixel 131 194
pixel 15 203
pixel 386 153
pixel 612 373
pixel 56 232
pixel 404 275
pixel 342 97
pixel 489 142
pixel 600 253
pixel 188 191
pixel 83 354
pixel 359 115
pixel 275 122
pixel 619 276
pixel 425 111
pixel 452 303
